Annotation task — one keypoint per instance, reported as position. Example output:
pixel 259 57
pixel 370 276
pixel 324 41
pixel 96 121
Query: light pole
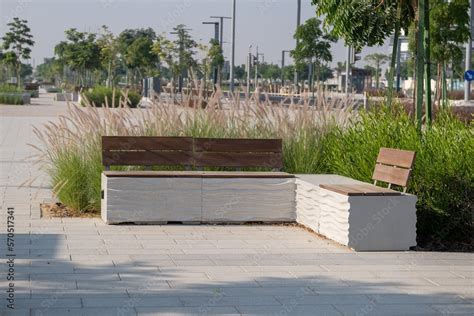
pixel 216 38
pixel 221 18
pixel 467 84
pixel 348 70
pixel 232 55
pixel 298 22
pixel 283 66
pixel 249 63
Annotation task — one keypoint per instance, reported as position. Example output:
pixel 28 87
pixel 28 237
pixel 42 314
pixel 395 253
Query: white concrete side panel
pixel 148 200
pixel 334 215
pixel 380 223
pixel 248 199
pixel 308 210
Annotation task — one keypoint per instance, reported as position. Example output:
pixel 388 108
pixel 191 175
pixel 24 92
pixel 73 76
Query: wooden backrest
pixel 146 151
pixel 394 166
pixel 238 153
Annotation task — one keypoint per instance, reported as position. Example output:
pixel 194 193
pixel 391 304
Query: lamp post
pixel 249 63
pixel 298 22
pixel 283 66
pixel 232 54
pixel 467 84
pixel 216 38
pixel 221 18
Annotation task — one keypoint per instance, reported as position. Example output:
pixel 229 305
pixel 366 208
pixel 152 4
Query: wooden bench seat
pixel 195 195
pixel 393 166
pixel 360 190
pixel 197 174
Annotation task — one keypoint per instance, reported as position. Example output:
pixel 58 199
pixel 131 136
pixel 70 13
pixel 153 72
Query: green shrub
pixel 8 88
pixel 11 98
pixel 443 173
pixel 98 95
pixel 54 90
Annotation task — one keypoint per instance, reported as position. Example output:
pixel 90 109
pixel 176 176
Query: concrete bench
pixel 359 215
pixel 195 196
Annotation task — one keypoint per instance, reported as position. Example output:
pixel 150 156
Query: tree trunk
pixel 18 75
pixel 428 110
pixel 394 53
pixel 420 63
pixel 377 75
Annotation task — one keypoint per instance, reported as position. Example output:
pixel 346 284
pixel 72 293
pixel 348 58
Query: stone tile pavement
pixel 84 267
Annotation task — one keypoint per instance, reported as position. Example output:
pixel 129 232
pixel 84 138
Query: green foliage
pixel 17 42
pixel 361 23
pixel 101 96
pixel 80 52
pixel 377 60
pixel 136 47
pixel 313 44
pixel 443 173
pixel 11 98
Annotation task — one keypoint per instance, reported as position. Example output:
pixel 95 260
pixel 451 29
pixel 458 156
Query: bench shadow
pixel 49 283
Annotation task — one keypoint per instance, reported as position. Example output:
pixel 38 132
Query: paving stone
pixel 204 310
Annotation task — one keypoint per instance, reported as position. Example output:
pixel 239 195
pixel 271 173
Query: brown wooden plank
pixel 146 158
pixel 272 160
pixel 195 174
pixel 251 174
pixel 342 189
pixel 359 190
pixel 389 174
pixel 153 174
pixel 237 145
pixel 371 189
pixel 396 157
pixel 146 143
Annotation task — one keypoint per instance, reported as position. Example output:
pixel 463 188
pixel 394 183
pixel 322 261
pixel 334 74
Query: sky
pixel 268 24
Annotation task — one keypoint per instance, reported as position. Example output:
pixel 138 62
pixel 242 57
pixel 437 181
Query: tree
pixel 313 45
pixel 449 26
pixel 216 57
pixel 368 23
pixel 50 70
pixel 18 41
pixel 377 60
pixel 109 53
pixel 136 47
pixel 81 53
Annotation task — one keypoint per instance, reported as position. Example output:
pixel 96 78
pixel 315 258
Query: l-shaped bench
pixel 194 196
pixel 353 213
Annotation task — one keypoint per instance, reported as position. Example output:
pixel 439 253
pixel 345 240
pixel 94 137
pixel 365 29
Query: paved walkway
pixel 84 267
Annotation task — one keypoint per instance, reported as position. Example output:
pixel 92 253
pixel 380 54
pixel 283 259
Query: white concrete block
pixel 151 200
pixel 248 199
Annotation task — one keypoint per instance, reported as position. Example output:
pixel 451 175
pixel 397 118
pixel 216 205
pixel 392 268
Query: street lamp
pixel 283 66
pixel 221 18
pixel 232 55
pixel 216 38
pixel 298 22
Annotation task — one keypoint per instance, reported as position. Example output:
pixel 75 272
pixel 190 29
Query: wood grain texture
pixel 237 145
pixel 398 176
pixel 359 189
pixel 146 158
pixel 197 174
pixel 238 160
pixel 396 157
pixel 146 143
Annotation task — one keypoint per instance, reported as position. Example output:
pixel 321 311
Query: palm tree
pixel 377 60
